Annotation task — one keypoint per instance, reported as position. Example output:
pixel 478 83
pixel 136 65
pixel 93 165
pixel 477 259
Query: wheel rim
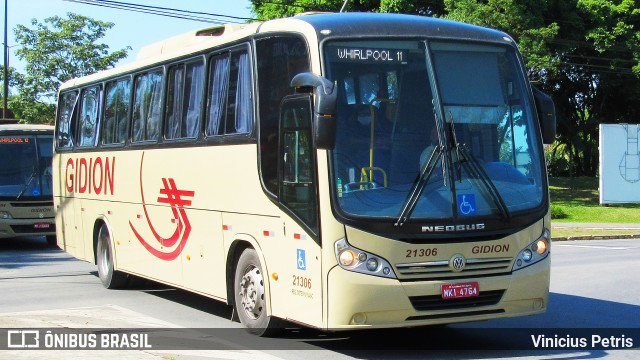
pixel 104 258
pixel 252 292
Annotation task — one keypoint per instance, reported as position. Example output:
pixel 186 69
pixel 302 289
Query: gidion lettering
pixel 487 249
pixel 90 175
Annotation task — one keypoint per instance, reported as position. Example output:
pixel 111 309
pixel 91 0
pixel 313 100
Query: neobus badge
pixel 92 176
pixel 453 228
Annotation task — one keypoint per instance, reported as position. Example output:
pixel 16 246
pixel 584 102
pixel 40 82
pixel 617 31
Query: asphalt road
pixel 594 286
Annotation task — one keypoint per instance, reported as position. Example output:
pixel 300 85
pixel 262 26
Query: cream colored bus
pixel 26 185
pixel 289 168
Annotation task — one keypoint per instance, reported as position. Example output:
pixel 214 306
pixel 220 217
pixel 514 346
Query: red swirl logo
pixel 172 246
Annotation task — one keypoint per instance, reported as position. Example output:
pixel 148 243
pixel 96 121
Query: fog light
pixel 5 215
pixel 359 319
pixel 347 258
pixel 527 255
pixel 372 264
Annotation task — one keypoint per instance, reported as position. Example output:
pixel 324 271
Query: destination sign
pixel 368 55
pixel 14 140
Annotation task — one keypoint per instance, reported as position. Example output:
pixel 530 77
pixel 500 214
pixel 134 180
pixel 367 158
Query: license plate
pixel 460 290
pixel 41 225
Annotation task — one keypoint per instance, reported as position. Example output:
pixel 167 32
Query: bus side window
pixel 240 104
pixel 147 106
pixel 218 87
pixel 116 111
pixel 66 117
pixel 89 110
pixel 184 100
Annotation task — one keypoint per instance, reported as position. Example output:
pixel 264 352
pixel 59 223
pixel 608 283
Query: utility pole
pixel 6 60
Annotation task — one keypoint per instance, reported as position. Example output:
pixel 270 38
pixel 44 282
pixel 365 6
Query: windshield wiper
pixel 419 185
pixel 456 146
pixel 474 168
pixel 26 186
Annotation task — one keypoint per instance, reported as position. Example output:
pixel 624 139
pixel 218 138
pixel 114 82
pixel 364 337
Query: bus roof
pixel 175 47
pixel 399 25
pixel 25 127
pixel 321 25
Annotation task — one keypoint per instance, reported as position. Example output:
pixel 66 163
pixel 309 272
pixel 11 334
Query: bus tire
pixel 250 298
pixel 110 278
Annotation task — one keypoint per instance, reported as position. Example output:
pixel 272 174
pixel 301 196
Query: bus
pixel 26 183
pixel 276 166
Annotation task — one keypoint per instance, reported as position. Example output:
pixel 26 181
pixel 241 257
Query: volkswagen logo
pixel 457 262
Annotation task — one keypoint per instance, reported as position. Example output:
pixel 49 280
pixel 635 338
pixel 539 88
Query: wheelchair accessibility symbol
pixel 302 262
pixel 467 204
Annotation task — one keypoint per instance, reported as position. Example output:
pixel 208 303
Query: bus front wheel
pixel 250 298
pixel 52 242
pixel 110 278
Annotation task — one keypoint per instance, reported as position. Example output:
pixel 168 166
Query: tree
pixel 524 20
pixel 266 10
pixel 597 80
pixel 55 51
pixel 15 78
pixel 282 8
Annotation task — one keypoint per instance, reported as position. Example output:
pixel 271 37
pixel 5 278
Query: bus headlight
pixel 5 215
pixel 534 252
pixel 354 259
pixel 347 258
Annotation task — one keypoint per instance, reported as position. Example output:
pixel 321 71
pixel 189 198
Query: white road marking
pixel 598 247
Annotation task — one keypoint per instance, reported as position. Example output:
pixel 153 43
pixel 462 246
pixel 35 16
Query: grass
pixel 577 200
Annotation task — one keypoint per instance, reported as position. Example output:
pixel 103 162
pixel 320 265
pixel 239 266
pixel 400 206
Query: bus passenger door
pixel 298 196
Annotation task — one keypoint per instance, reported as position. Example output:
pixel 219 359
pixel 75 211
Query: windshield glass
pixel 479 132
pixel 25 166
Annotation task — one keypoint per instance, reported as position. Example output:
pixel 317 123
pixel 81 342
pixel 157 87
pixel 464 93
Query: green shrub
pixel 558 212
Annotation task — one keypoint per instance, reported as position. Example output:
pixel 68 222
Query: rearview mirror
pixel 324 120
pixel 546 115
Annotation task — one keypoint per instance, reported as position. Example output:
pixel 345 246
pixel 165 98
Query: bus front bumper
pixel 27 227
pixel 363 301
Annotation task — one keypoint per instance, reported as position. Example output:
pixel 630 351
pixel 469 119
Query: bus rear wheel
pixel 110 278
pixel 250 298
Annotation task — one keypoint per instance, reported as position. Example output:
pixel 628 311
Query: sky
pixel 130 29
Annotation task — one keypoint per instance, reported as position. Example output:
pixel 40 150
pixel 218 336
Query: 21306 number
pixel 421 252
pixel 301 281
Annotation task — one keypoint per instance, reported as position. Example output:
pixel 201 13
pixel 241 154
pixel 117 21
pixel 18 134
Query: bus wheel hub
pixel 252 293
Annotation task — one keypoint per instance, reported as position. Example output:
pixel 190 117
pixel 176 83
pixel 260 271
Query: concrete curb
pixel 595 237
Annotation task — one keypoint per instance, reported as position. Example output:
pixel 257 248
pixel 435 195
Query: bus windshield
pixel 25 166
pixel 433 130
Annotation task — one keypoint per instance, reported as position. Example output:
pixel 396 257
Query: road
pixel 594 286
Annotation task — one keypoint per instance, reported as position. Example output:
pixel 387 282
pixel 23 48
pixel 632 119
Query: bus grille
pixel 440 270
pixel 436 302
